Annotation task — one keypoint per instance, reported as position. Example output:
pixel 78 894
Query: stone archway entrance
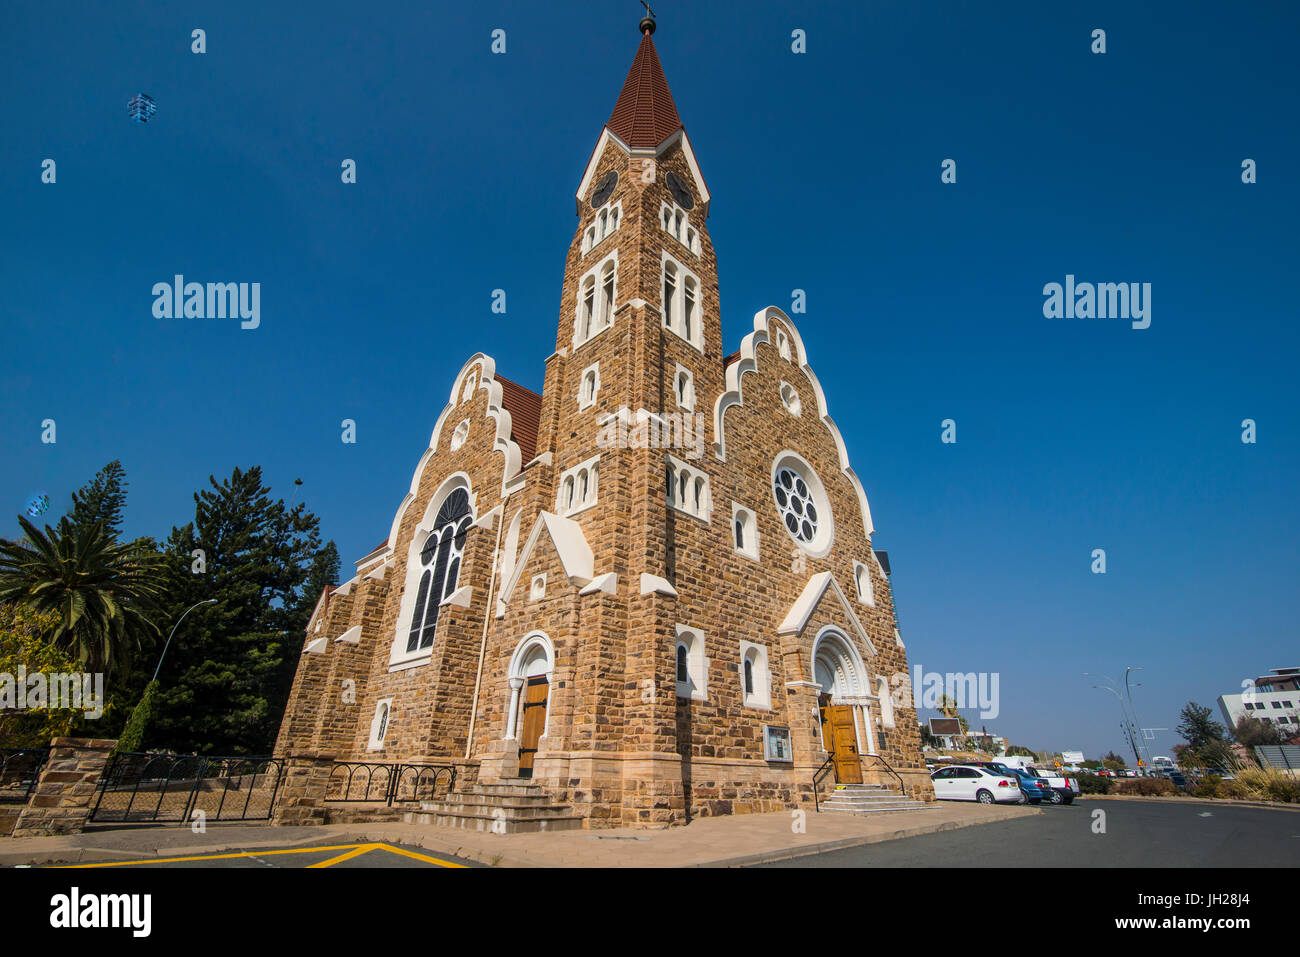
pixel 530 687
pixel 840 675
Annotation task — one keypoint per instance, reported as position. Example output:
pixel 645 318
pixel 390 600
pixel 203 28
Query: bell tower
pixel 628 401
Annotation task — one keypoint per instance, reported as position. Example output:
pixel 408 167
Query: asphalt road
pixel 1137 834
pixel 330 855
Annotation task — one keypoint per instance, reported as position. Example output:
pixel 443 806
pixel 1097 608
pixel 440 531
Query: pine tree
pixel 102 499
pixel 222 687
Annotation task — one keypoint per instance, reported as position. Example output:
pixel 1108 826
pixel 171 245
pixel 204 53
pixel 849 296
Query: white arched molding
pixel 496 413
pixel 834 654
pixel 398 656
pixel 733 395
pixel 534 656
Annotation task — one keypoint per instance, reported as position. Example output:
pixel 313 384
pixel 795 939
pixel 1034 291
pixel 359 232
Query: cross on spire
pixel 648 21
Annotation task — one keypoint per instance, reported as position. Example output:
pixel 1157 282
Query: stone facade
pixel 61 803
pixel 597 599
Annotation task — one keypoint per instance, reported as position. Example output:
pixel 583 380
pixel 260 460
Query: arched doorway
pixel 840 675
pixel 530 686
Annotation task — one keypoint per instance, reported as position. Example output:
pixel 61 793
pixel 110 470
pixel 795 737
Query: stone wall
pixel 65 792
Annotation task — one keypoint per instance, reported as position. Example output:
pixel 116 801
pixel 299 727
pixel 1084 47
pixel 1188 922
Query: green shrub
pixel 1210 787
pixel 133 734
pixel 1146 787
pixel 1092 783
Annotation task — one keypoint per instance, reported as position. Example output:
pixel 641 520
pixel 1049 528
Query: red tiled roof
pixel 645 115
pixel 525 408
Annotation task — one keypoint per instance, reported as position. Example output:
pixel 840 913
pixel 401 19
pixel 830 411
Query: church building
pixel 648 594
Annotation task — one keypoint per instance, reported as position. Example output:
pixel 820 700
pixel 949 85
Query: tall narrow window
pixel 740 534
pixel 670 293
pixel 441 557
pixel 683 672
pixel 607 296
pixel 588 308
pixel 749 676
pixel 688 312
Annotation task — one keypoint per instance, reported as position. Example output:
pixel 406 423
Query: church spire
pixel 645 114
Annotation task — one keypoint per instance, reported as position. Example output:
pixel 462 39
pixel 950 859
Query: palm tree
pixel 97 589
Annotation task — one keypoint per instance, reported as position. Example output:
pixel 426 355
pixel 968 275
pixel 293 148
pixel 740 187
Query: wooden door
pixel 844 740
pixel 534 723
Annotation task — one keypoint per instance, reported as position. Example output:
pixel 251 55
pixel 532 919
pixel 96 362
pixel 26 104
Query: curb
pixel 805 850
pixel 88 854
pixel 1173 799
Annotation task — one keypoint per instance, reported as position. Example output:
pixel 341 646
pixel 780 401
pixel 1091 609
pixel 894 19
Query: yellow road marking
pixel 419 857
pixel 346 855
pixel 350 851
pixel 214 857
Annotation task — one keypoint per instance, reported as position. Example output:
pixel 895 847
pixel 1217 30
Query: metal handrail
pixel 828 763
pixel 902 788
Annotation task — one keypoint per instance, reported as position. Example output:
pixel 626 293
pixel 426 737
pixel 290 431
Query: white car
pixel 965 782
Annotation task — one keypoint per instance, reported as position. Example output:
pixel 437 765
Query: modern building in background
pixel 1275 698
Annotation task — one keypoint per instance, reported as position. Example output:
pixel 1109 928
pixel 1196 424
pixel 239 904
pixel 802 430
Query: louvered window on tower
pixel 681 305
pixel 596 300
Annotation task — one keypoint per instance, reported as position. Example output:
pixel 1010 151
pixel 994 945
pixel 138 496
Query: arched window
pixel 670 294
pixel 740 533
pixel 683 672
pixel 607 296
pixel 749 676
pixel 440 558
pixel 586 317
pixel 688 311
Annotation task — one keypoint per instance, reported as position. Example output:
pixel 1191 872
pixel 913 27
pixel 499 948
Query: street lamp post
pixel 206 601
pixel 1133 708
pixel 1128 722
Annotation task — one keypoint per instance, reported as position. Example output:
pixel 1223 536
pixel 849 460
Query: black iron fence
pixel 389 783
pixel 161 788
pixel 20 768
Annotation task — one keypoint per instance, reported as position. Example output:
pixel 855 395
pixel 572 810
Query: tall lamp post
pixel 1128 723
pixel 206 601
pixel 133 734
pixel 1133 708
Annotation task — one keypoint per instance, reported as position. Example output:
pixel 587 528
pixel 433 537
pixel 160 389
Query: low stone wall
pixel 301 801
pixel 62 800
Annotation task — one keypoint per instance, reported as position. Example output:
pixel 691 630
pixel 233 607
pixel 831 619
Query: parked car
pixel 1064 789
pixel 966 782
pixel 1031 790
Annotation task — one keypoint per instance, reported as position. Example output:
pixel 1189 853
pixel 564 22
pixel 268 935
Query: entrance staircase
pixel 869 799
pixel 511 806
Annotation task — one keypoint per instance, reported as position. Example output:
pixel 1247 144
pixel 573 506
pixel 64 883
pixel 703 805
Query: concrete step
pixel 905 805
pixel 495 812
pixel 481 822
pixel 499 791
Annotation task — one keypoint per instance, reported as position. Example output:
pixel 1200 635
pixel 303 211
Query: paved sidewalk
pixel 707 842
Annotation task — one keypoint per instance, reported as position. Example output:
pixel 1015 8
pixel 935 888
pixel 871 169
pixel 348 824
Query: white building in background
pixel 1275 698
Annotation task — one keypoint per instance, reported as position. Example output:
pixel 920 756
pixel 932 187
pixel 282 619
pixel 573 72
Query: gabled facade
pixel 651 589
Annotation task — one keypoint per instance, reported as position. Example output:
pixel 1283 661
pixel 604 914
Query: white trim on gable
pixel 748 362
pixel 501 441
pixel 797 618
pixel 570 544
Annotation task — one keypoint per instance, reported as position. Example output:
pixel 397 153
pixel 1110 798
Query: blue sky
pixel 924 299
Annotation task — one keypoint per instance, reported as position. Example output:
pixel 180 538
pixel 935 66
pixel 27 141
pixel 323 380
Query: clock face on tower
pixel 681 193
pixel 604 189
